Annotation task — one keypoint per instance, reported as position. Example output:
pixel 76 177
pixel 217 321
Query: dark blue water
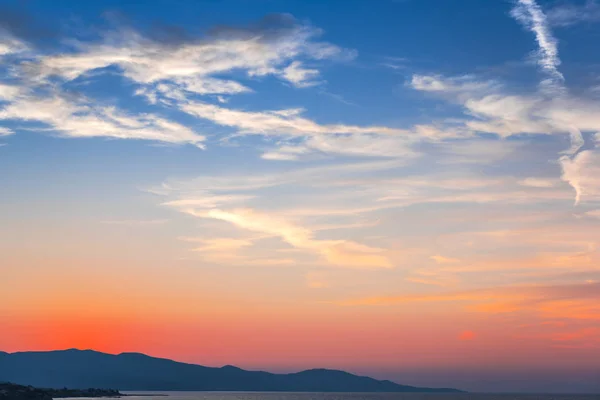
pixel 353 396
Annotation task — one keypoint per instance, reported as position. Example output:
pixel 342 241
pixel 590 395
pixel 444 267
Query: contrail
pixel 530 14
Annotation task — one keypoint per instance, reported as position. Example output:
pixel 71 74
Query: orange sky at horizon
pixel 511 325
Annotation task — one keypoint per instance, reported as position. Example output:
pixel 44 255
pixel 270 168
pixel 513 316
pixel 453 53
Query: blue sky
pixel 331 161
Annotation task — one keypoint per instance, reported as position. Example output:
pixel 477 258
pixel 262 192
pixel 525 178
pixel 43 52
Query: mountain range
pixel 134 371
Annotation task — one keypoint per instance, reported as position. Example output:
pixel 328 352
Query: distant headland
pixel 82 369
pixel 11 391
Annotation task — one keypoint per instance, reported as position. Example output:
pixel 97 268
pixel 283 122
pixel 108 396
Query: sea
pixel 348 396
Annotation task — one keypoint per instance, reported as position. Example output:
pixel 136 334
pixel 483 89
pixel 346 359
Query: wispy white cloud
pixel 217 190
pixel 208 200
pixel 343 253
pixel 359 145
pixel 280 122
pixel 192 63
pixel 227 199
pixel 459 86
pixel 206 85
pixel 538 182
pixel 300 76
pixel 337 97
pixel 395 63
pixel 593 213
pixel 493 110
pixel 5 131
pixel 582 172
pixel 234 252
pixel 284 153
pixel 166 73
pixel 577 142
pixel 79 118
pixel 568 14
pixel 218 244
pixel 9 44
pixel 75 116
pixel 310 136
pixel 476 151
pixel 343 202
pixel 9 92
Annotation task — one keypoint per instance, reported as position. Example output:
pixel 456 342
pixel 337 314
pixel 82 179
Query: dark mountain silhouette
pixel 81 369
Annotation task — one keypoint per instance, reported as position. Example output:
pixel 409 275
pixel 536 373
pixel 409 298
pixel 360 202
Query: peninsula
pixel 11 391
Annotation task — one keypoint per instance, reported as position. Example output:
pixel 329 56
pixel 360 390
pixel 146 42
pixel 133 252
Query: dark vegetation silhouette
pixel 11 391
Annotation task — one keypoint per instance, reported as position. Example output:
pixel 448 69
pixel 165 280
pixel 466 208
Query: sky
pixel 404 189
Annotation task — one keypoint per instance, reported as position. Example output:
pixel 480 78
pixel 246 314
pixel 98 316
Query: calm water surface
pixel 351 396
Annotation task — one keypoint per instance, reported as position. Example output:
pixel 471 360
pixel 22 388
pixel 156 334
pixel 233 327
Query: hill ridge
pixel 138 371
